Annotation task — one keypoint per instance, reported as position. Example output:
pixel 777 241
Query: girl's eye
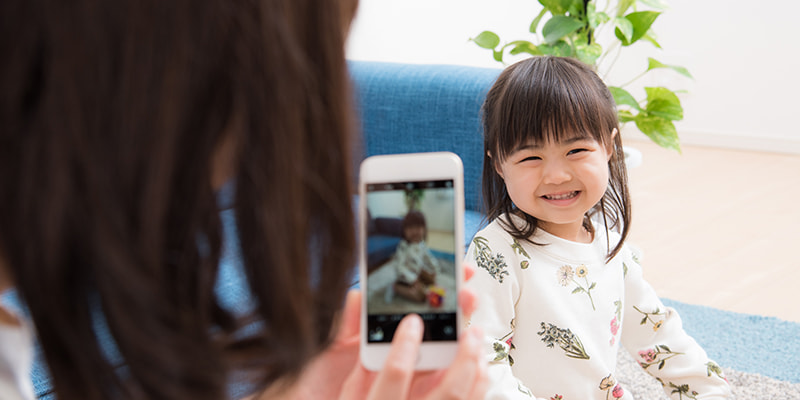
pixel 531 158
pixel 576 151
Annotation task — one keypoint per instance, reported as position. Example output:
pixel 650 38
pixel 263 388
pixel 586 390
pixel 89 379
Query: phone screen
pixel 410 258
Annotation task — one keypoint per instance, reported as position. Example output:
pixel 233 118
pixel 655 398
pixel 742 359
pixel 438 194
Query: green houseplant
pixel 583 29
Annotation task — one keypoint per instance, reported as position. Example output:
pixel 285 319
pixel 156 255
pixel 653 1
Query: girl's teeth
pixel 561 196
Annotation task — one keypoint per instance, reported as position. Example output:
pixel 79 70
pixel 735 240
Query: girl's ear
pixel 610 146
pixel 496 166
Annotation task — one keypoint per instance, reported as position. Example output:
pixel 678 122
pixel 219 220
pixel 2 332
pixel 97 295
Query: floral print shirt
pixel 555 314
pixel 412 258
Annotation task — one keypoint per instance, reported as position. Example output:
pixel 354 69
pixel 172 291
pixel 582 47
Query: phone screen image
pixel 411 258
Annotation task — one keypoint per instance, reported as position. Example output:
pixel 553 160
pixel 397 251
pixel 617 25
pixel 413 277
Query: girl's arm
pixel 404 263
pixel 497 288
pixel 654 335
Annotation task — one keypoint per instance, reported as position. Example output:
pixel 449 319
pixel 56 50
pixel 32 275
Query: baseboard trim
pixel 769 144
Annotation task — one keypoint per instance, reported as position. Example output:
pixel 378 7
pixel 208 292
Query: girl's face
pixel 557 183
pixel 414 234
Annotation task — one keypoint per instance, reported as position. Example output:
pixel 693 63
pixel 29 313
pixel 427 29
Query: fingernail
pixel 413 323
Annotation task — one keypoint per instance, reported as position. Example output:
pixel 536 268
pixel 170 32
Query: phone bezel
pixel 407 168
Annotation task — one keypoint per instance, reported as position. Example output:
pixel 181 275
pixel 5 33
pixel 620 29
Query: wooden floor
pixel 719 227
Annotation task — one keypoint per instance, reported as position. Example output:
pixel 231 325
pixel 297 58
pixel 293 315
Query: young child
pixel 415 265
pixel 559 291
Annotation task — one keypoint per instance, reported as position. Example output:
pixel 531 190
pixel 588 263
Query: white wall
pixel 745 57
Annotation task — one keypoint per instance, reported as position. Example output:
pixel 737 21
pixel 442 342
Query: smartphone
pixel 411 245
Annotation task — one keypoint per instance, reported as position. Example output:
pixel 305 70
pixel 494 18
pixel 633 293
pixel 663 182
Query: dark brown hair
pixel 110 115
pixel 545 99
pixel 414 219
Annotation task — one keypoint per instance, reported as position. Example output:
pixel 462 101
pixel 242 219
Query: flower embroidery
pixel 524 264
pixel 565 339
pixel 502 348
pixel 557 397
pixel 615 322
pixel 494 264
pixel 683 390
pixel 658 355
pixel 713 368
pixel 608 382
pixel 566 275
pixel 518 248
pixel 649 316
pixel 611 387
pixel 524 390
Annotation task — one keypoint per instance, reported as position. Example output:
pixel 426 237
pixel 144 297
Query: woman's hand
pixel 337 373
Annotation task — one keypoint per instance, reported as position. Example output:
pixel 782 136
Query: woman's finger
pixel 468 302
pixel 394 379
pixel 466 375
pixel 469 271
pixel 351 316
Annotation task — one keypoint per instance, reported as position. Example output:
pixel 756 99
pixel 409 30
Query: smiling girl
pixel 559 289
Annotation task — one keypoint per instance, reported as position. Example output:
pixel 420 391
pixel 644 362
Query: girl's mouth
pixel 561 196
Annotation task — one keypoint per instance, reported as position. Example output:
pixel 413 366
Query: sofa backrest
pixel 408 108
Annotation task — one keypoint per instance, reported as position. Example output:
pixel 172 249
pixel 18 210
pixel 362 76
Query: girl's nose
pixel 555 173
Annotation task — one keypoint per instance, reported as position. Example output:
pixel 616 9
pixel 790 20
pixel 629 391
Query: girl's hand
pixel 337 373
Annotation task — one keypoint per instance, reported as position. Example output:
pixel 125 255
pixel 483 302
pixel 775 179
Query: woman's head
pixel 414 228
pixel 112 115
pixel 552 103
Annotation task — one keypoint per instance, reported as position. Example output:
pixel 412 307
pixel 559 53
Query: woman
pixel 119 122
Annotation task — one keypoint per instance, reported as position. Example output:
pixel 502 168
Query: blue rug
pixel 748 343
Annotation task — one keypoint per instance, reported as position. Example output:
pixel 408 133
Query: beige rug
pixel 745 386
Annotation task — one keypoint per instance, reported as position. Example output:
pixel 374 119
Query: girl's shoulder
pixel 496 230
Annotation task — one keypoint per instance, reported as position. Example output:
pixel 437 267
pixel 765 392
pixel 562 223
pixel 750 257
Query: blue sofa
pixel 404 108
pixel 408 108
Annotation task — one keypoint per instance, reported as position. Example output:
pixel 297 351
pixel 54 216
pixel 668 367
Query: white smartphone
pixel 411 245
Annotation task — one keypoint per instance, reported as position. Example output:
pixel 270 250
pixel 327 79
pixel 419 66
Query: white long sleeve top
pixel 412 258
pixel 555 314
pixel 16 359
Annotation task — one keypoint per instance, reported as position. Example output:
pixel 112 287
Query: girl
pixel 559 289
pixel 416 266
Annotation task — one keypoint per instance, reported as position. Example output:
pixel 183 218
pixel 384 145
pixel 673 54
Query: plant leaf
pixel 556 7
pixel 622 97
pixel 623 6
pixel 523 46
pixel 577 290
pixel 661 131
pixel 624 27
pixel 663 103
pixel 558 27
pixel 589 53
pixel 597 18
pixel 641 20
pixel 657 4
pixel 535 23
pixel 653 64
pixel 624 116
pixel 577 9
pixel 487 40
pixel 497 55
pixel 559 49
pixel 650 37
